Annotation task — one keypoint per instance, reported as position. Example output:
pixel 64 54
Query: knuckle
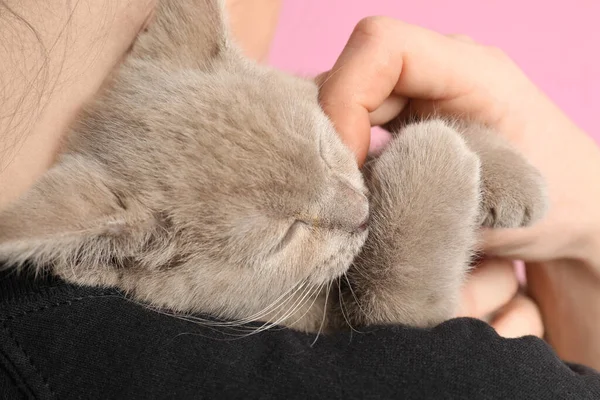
pixel 531 315
pixel 374 26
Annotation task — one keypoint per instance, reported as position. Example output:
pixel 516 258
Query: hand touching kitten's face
pixel 267 186
pixel 198 181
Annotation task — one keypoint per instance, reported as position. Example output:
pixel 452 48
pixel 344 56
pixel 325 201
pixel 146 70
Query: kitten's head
pixel 199 180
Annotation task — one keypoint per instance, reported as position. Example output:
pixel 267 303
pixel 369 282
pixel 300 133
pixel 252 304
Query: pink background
pixel 556 42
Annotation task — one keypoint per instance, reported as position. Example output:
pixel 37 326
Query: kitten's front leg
pixel 425 190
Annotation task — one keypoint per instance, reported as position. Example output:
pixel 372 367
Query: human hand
pixel 492 293
pixel 387 64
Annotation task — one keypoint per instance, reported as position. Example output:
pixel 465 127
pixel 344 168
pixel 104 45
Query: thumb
pixel 517 244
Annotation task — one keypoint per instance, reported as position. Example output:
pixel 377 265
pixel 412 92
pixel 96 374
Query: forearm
pixel 54 56
pixel 253 24
pixel 568 294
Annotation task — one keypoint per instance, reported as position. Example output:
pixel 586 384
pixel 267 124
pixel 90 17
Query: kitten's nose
pixel 347 208
pixel 363 227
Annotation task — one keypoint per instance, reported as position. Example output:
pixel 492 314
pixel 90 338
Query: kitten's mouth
pixel 337 264
pixel 363 226
pixel 361 233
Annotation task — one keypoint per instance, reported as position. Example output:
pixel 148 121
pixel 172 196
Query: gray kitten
pixel 202 182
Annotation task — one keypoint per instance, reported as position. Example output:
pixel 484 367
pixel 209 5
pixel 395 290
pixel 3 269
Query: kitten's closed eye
pixel 292 233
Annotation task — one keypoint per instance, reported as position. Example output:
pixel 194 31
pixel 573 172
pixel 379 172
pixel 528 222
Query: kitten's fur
pixel 203 182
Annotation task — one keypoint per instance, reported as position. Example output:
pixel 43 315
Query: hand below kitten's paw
pixel 514 192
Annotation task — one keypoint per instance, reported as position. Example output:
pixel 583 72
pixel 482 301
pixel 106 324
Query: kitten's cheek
pixel 339 252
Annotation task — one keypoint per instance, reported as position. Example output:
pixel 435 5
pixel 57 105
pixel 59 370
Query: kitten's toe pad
pixel 514 192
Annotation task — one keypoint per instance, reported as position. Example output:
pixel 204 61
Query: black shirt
pixel 60 341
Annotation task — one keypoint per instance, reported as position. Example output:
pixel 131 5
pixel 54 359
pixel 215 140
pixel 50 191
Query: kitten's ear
pixel 187 32
pixel 73 206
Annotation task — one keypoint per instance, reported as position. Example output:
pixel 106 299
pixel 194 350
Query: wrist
pixel 568 295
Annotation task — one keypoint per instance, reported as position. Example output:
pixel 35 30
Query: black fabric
pixel 64 342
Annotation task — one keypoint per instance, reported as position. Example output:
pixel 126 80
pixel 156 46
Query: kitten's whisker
pixel 237 326
pixel 316 297
pixel 361 272
pixel 341 299
pixel 275 305
pixel 298 304
pixel 285 312
pixel 329 76
pixel 275 321
pixel 186 318
pixel 354 295
pixel 356 266
pixel 328 289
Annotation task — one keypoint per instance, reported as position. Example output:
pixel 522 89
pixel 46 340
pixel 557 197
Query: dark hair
pixel 22 101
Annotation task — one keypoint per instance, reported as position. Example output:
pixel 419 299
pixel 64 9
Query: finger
pixel 520 317
pixel 491 286
pixel 462 38
pixel 390 109
pixel 395 104
pixel 505 242
pixel 385 56
pixel 522 243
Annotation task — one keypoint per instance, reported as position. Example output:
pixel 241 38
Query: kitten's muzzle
pixel 364 226
pixel 347 209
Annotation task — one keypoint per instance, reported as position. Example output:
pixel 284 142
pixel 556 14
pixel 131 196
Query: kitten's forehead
pixel 265 126
pixel 282 112
pixel 254 136
pixel 276 110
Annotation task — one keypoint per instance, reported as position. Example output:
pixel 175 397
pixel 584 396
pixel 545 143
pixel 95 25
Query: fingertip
pixel 521 317
pixel 357 139
pixel 390 109
pixel 488 288
pixel 354 128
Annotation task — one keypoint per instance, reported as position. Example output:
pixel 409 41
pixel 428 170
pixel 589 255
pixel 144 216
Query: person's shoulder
pixel 63 341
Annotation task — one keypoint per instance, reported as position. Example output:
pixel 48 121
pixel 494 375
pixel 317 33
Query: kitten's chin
pixel 338 263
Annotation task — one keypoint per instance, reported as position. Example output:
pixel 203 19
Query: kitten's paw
pixel 428 163
pixel 513 191
pixel 426 193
